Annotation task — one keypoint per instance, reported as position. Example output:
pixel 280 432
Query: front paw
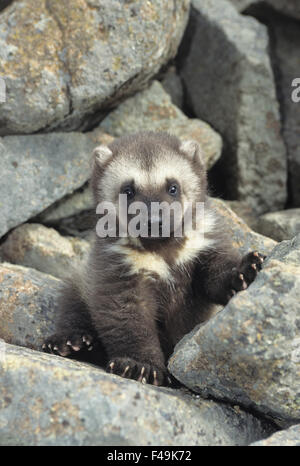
pixel 67 345
pixel 141 372
pixel 246 273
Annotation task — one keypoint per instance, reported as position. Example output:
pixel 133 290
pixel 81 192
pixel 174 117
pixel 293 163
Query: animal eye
pixel 129 191
pixel 173 190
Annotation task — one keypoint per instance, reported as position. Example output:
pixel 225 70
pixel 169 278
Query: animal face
pixel 156 177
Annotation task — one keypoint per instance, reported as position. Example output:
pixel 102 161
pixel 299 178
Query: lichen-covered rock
pixel 281 225
pixel 249 353
pixel 63 402
pixel 284 438
pixel 36 170
pixel 241 236
pixel 44 249
pixel 288 7
pixel 28 305
pixel 153 110
pixel 231 86
pixel 62 64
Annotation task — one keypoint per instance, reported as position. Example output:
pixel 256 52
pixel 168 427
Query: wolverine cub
pixel 139 294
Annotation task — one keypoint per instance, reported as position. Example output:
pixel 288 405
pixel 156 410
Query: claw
pixel 125 371
pixel 253 266
pixel 76 348
pixel 111 366
pixel 140 379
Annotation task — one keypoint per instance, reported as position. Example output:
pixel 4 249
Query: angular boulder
pixel 285 46
pixel 242 237
pixel 67 403
pixel 288 7
pixel 28 305
pixel 281 225
pixel 86 58
pixel 249 353
pixel 36 170
pixel 153 110
pixel 284 438
pixel 229 82
pixel 72 204
pixel 44 249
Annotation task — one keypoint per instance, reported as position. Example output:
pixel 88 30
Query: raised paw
pixel 246 273
pixel 67 345
pixel 141 372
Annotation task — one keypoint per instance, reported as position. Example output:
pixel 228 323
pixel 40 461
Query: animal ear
pixel 193 151
pixel 101 154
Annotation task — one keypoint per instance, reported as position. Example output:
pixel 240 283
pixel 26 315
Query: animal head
pixel 149 168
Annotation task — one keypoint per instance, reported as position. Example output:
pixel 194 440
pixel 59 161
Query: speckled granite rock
pixel 44 249
pixel 285 438
pixel 281 225
pixel 249 353
pixel 28 303
pixel 63 402
pixel 36 170
pixel 242 237
pixel 223 87
pixel 153 110
pixel 288 7
pixel 64 64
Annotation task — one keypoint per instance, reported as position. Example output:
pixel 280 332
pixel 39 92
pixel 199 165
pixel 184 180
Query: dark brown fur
pixel 133 321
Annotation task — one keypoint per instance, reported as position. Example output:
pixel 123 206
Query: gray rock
pixel 231 86
pixel 284 438
pixel 286 45
pixel 173 86
pixel 28 304
pixel 245 212
pixel 242 237
pixel 86 58
pixel 280 225
pixel 44 249
pixel 49 400
pixel 70 205
pixel 249 353
pixel 152 110
pixel 288 7
pixel 36 170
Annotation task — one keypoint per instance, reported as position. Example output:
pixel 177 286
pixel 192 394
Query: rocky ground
pixel 217 72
